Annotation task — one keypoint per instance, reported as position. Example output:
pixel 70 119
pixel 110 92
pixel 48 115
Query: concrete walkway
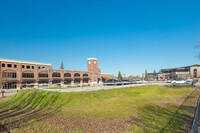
pixel 95 88
pixel 79 89
pixel 7 94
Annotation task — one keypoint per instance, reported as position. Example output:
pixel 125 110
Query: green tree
pixel 146 75
pixel 62 66
pixel 120 76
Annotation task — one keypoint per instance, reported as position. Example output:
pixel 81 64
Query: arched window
pixel 85 75
pixel 76 75
pixel 67 75
pixel 43 75
pixel 9 74
pixel 27 74
pixel 56 74
pixel 195 73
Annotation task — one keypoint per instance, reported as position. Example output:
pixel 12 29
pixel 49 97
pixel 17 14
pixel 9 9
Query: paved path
pixel 7 94
pixel 79 89
pixel 95 88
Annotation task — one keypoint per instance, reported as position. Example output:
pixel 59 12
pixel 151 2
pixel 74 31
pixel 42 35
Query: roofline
pixel 92 58
pixel 70 70
pixel 181 67
pixel 106 73
pixel 26 62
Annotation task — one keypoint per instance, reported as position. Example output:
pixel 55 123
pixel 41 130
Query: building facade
pixel 191 72
pixel 106 76
pixel 18 74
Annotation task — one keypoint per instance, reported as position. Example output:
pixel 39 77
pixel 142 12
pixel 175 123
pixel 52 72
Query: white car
pixel 138 81
pixel 168 81
pixel 179 81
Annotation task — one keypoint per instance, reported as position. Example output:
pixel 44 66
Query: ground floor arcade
pixel 31 83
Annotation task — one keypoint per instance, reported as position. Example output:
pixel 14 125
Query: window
pixel 39 67
pixel 67 75
pixel 9 74
pixel 43 68
pixel 3 65
pixel 56 74
pixel 95 62
pixel 76 75
pixel 195 73
pixel 27 75
pixel 22 66
pixel 28 67
pixel 43 75
pixel 47 68
pixel 32 67
pixel 9 65
pixel 85 75
pixel 9 85
pixel 15 66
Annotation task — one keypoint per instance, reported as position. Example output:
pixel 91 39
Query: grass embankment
pixel 135 109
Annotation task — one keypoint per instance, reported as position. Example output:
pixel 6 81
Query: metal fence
pixel 195 124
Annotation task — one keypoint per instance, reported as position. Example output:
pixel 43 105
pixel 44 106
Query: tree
pixel 197 46
pixel 146 75
pixel 120 76
pixel 154 74
pixel 62 66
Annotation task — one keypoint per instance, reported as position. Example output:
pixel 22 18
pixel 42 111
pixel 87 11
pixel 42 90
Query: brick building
pixel 19 74
pixel 192 72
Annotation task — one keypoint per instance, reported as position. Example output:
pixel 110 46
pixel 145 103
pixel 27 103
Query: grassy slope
pixel 150 107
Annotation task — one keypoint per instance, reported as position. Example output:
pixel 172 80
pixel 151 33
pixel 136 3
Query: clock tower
pixel 92 66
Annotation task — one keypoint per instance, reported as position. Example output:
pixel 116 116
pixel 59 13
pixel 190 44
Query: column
pixel 72 82
pixel 19 85
pixel 62 83
pixel 81 82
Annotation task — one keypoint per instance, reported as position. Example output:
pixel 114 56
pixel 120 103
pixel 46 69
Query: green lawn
pixel 135 109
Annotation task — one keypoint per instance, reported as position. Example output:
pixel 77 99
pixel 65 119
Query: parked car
pixel 138 82
pixel 125 82
pixel 133 82
pixel 112 82
pixel 189 81
pixel 179 81
pixel 169 81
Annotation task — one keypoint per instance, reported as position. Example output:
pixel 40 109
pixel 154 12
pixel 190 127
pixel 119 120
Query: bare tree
pixel 197 46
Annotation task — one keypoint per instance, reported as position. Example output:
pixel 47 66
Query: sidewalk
pixel 95 88
pixel 79 89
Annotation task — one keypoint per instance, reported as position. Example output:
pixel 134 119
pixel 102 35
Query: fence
pixel 195 124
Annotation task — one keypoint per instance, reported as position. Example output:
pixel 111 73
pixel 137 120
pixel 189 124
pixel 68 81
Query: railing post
pixel 2 92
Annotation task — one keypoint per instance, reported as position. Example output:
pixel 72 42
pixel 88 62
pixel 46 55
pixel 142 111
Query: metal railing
pixel 195 124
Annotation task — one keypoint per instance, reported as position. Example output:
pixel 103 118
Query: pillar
pixel 62 83
pixel 19 85
pixel 72 82
pixel 36 84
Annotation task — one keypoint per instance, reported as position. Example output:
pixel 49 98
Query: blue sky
pixel 125 35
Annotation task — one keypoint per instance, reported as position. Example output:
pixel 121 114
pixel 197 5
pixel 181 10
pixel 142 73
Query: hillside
pixel 135 109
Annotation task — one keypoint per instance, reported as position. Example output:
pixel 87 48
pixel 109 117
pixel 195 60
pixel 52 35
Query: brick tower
pixel 92 66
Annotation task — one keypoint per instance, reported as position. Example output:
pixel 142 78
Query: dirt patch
pixel 90 124
pixel 177 102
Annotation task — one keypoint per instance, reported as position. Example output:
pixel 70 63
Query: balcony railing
pixel 67 77
pixel 43 77
pixel 7 78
